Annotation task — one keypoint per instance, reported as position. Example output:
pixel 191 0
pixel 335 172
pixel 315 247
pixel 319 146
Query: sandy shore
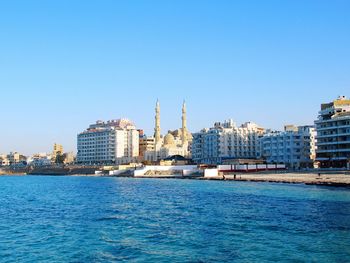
pixel 336 179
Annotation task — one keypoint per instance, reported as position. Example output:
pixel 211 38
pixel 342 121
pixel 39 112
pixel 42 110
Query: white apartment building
pixel 295 146
pixel 333 134
pixel 111 142
pixel 226 141
pixel 40 159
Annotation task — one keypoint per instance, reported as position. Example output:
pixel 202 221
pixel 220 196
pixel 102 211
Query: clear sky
pixel 65 64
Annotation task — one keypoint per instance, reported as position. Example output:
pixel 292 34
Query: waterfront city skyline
pixel 65 65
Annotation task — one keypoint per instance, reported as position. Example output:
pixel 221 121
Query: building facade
pixel 4 161
pixel 333 134
pixel 147 144
pixel 176 142
pixel 295 146
pixel 111 142
pixel 57 152
pixel 13 158
pixel 40 159
pixel 226 141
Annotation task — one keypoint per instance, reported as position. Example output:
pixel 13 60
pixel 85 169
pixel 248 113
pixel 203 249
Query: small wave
pixel 109 218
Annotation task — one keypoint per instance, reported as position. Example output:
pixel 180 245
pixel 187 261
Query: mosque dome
pixel 169 140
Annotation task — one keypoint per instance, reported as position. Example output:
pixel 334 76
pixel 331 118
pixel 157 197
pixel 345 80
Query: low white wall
pixel 170 167
pixel 187 169
pixel 116 172
pixel 211 172
pixel 140 172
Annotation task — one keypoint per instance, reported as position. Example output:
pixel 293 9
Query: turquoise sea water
pixel 87 219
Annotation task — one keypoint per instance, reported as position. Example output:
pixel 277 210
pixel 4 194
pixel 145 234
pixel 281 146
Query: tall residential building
pixel 111 142
pixel 226 141
pixel 295 146
pixel 333 134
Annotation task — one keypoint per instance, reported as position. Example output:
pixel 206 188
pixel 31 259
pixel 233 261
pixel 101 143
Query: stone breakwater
pixel 334 179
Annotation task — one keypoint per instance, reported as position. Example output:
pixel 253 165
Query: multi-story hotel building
pixel 295 146
pixel 333 133
pixel 111 142
pixel 226 141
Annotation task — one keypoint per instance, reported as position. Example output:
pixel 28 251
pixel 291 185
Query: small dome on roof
pixel 169 140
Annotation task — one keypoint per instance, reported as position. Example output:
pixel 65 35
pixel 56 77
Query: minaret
pixel 184 124
pixel 157 124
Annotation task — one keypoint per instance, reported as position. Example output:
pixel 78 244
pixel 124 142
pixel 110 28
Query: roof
pixel 176 158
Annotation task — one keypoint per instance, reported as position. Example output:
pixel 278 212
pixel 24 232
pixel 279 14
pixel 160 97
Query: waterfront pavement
pixel 315 178
pixel 341 179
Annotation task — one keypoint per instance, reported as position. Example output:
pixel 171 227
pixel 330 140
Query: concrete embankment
pixel 166 171
pixel 333 179
pixel 63 171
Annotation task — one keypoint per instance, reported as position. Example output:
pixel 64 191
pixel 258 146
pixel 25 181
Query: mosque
pixel 175 142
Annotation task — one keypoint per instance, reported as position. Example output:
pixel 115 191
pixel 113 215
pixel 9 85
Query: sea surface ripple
pixel 89 219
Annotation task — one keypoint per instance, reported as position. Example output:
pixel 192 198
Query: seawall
pixel 331 179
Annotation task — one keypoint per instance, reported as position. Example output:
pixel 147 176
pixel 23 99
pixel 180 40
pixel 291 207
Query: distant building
pixel 13 158
pixel 40 159
pixel 57 151
pixel 333 133
pixel 295 146
pixel 69 158
pixel 111 142
pixel 226 141
pixel 4 161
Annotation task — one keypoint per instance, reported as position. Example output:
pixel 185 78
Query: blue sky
pixel 65 64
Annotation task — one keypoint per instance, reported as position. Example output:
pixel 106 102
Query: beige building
pixel 146 145
pixel 13 157
pixel 173 143
pixel 57 150
pixel 69 158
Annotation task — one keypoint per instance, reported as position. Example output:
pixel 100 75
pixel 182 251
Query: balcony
pixel 332 135
pixel 333 150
